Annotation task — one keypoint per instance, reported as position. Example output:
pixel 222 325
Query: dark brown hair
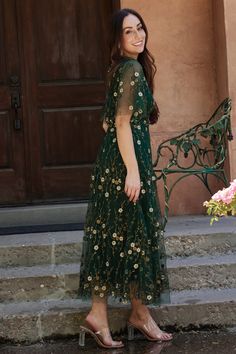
pixel 145 58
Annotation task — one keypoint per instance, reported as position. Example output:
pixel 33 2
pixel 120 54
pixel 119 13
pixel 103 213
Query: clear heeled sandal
pixel 145 330
pixel 98 336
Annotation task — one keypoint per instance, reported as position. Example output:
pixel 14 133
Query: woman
pixel 123 247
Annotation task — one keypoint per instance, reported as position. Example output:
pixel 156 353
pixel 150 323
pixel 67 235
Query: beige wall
pixel 230 29
pixel 221 59
pixel 182 38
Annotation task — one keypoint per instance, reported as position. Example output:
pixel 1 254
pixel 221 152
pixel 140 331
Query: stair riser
pixel 200 245
pixel 207 276
pixel 29 255
pixel 38 288
pixel 66 286
pixel 51 324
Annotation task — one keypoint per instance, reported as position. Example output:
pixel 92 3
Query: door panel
pixel 65 51
pixel 53 61
pixel 12 159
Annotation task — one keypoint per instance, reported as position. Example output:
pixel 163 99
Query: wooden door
pixel 64 55
pixel 12 158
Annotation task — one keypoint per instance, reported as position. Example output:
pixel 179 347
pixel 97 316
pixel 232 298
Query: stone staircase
pixel 39 281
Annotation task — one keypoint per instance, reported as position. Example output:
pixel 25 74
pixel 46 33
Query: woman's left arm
pixel 105 126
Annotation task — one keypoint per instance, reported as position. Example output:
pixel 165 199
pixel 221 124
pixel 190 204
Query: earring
pixel 121 51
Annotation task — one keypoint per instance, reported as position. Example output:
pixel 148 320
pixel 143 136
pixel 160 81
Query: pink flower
pixel 233 186
pixel 226 195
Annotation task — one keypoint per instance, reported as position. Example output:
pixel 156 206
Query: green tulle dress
pixel 123 243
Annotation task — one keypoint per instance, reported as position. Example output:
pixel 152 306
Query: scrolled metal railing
pixel 200 151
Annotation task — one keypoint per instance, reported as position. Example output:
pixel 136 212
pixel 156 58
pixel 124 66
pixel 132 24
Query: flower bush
pixel 222 203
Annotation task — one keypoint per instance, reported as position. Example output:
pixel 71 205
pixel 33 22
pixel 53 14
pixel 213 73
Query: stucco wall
pixel 230 27
pixel 221 61
pixel 182 40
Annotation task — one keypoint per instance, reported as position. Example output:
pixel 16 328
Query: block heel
pixel 130 332
pixel 81 337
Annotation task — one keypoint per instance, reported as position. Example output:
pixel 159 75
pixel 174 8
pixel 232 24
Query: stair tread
pixel 73 268
pixel 204 295
pixel 201 260
pixel 24 219
pixel 41 238
pixel 39 270
pixel 195 225
pixel 187 225
pixel 185 297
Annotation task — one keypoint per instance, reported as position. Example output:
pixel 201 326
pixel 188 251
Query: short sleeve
pixel 128 91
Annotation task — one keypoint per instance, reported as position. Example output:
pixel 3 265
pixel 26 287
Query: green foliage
pixel 219 209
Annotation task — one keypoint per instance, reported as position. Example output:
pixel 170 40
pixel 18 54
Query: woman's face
pixel 133 36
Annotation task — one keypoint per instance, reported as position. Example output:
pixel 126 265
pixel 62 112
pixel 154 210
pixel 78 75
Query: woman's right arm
pixel 126 147
pixel 127 96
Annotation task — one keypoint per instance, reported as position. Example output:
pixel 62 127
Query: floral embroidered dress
pixel 123 242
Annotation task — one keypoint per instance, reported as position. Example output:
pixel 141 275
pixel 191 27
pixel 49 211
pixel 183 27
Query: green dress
pixel 123 242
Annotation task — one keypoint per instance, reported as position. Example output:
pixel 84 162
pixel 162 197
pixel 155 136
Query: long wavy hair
pixel 145 58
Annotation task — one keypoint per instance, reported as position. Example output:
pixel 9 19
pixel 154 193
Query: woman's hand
pixel 105 125
pixel 132 185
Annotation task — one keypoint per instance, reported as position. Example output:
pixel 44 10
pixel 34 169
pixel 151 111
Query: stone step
pixel 36 216
pixel 62 281
pixel 199 272
pixel 34 321
pixel 39 282
pixel 193 235
pixel 40 248
pixel 184 236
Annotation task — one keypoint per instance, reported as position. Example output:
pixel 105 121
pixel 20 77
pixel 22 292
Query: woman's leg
pixel 98 313
pixel 98 319
pixel 140 315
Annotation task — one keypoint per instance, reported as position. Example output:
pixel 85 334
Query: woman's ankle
pixel 99 306
pixel 140 312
